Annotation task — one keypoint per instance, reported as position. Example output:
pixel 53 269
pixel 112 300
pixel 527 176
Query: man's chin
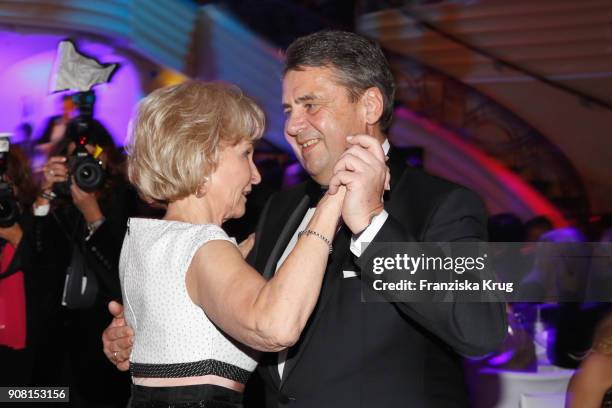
pixel 317 173
pixel 321 179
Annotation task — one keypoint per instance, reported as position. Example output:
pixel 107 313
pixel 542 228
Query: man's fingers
pixel 342 178
pixel 120 358
pixel 351 163
pixel 247 245
pixel 118 350
pixel 116 309
pixel 114 334
pixel 123 347
pixel 124 366
pixel 369 143
pixel 365 155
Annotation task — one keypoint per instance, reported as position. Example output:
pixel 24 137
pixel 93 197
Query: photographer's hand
pixel 12 234
pixel 87 203
pixel 55 171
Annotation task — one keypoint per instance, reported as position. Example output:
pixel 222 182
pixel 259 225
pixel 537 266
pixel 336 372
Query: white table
pixel 546 388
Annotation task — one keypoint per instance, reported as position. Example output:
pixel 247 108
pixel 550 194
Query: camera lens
pixel 89 175
pixel 8 212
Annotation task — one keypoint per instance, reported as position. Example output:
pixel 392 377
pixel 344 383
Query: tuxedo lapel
pixel 397 166
pixel 331 281
pixel 282 225
pixel 285 236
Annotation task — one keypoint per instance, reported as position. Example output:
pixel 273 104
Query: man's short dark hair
pixel 358 62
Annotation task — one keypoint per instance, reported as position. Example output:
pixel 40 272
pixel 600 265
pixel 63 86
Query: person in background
pixel 591 385
pixel 20 284
pixel 536 227
pixel 80 234
pixel 53 132
pixel 505 227
pixel 23 138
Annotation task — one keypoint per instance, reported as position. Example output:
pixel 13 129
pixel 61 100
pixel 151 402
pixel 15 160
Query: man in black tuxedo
pixel 338 93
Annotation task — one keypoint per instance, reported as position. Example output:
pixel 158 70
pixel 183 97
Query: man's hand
pixel 362 169
pixel 246 246
pixel 118 338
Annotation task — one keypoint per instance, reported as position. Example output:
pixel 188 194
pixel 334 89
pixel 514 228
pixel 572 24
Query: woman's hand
pixel 56 171
pixel 12 234
pixel 334 201
pixel 87 203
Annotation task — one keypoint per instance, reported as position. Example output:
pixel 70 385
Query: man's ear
pixel 372 100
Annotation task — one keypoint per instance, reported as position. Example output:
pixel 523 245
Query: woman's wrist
pixel 325 221
pixel 41 201
pixel 92 214
pixel 93 226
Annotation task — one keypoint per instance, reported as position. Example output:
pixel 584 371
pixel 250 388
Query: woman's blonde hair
pixel 178 133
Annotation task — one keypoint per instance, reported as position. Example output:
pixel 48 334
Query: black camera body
pixel 9 210
pixel 87 171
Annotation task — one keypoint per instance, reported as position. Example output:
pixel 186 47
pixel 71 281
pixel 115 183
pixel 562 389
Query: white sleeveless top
pixel 173 337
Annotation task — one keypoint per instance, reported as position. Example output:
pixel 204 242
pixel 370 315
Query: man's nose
pixel 294 124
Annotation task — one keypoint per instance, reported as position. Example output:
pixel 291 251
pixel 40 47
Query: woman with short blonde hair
pixel 178 134
pixel 197 308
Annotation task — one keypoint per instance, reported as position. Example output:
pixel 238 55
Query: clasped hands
pixel 363 171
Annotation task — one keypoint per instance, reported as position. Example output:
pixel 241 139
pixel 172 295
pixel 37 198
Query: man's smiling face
pixel 318 117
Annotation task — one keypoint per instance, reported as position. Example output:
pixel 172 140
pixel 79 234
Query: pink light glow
pixel 524 192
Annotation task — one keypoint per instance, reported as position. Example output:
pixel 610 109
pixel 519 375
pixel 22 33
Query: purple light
pixel 26 61
pixel 502 358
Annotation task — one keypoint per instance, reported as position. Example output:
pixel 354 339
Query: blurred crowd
pixel 60 251
pixel 562 315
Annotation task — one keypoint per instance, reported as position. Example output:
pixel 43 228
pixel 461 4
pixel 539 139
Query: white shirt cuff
pixel 41 210
pixel 368 234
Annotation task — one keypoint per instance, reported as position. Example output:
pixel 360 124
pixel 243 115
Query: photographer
pixel 83 229
pixel 20 311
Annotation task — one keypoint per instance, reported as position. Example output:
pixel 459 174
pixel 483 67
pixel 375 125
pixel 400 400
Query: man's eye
pixel 311 107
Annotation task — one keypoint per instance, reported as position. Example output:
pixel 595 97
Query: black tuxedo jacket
pixel 379 355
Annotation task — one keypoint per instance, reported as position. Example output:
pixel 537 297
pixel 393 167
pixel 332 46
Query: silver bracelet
pixel 48 196
pixel 318 235
pixel 93 226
